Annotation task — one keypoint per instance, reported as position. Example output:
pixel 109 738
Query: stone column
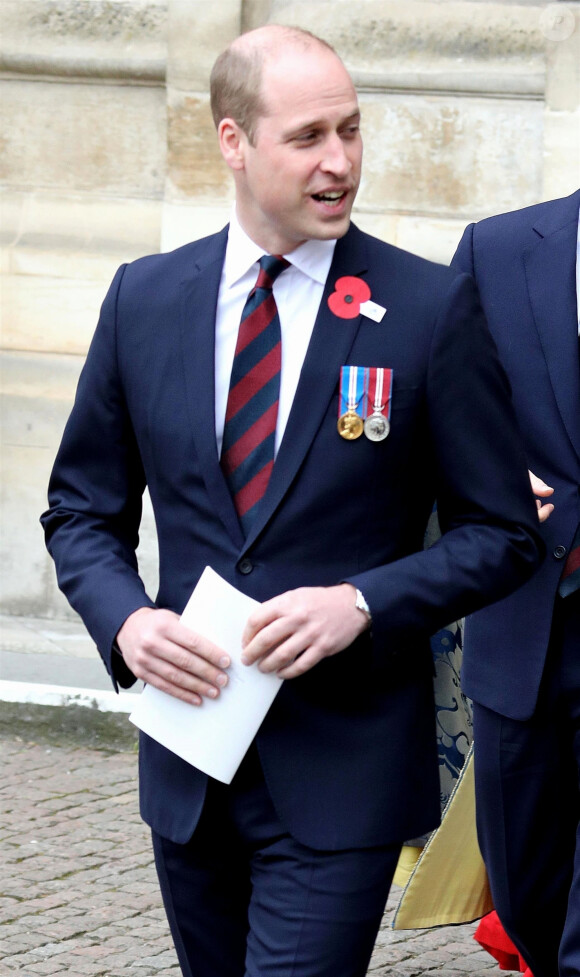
pixel 198 190
pixel 83 172
pixel 561 25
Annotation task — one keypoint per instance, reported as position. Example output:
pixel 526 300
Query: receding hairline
pixel 263 43
pixel 255 50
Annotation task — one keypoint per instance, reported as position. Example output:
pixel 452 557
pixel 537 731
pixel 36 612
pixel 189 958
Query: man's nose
pixel 335 159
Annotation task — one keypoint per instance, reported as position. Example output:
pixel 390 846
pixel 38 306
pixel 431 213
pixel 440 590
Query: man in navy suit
pixel 522 655
pixel 286 870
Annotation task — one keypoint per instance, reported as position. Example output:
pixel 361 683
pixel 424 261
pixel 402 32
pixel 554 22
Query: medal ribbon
pixel 379 383
pixel 352 381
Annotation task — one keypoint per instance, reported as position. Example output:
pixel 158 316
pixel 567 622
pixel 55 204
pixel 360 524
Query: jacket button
pixel 245 566
pixel 560 552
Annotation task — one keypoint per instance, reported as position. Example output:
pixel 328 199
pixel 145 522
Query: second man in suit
pixel 522 655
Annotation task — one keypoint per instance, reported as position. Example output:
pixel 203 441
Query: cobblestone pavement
pixel 79 894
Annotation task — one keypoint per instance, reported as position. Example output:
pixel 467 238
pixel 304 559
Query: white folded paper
pixel 216 735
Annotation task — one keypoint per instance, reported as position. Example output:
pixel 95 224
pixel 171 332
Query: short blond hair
pixel 236 79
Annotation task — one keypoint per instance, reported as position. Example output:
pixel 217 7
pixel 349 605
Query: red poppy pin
pixel 350 293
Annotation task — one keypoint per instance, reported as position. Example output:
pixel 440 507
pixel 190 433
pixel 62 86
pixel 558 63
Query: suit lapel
pixel 199 294
pixel 553 259
pixel 331 341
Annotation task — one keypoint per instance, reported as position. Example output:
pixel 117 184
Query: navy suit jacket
pixel 524 264
pixel 348 749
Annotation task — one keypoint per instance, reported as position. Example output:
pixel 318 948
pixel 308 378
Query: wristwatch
pixel 362 605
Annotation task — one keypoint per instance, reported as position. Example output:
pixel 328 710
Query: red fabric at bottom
pixel 493 938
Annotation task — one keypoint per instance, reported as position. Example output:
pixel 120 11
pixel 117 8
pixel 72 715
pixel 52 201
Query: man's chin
pixel 329 229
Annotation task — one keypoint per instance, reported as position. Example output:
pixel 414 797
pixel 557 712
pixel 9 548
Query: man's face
pixel 299 179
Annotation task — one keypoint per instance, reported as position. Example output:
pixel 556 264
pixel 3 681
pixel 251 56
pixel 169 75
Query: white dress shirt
pixel 298 292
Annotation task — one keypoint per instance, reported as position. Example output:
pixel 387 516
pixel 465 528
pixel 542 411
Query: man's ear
pixel 232 143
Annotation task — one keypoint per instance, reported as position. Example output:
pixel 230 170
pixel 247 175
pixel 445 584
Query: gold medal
pixel 350 422
pixel 350 425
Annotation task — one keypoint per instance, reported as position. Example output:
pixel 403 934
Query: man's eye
pixel 307 137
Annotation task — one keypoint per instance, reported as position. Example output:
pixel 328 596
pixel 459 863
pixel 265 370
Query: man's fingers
pixel 544 511
pixel 177 682
pixel 163 652
pixel 302 664
pixel 539 487
pixel 276 619
pixel 293 632
pixel 284 654
pixel 261 617
pixel 189 683
pixel 185 668
pixel 173 634
pixel 177 691
pixel 266 641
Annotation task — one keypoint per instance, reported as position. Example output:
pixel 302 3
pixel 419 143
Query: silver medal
pixel 376 427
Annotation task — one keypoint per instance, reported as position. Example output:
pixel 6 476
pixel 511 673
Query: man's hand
pixel 540 488
pixel 291 633
pixel 164 653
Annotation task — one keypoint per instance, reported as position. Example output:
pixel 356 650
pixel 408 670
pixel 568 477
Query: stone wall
pixel 108 152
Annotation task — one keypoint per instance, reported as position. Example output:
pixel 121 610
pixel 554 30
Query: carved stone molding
pixel 102 40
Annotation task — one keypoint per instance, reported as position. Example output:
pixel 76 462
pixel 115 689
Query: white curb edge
pixel 64 695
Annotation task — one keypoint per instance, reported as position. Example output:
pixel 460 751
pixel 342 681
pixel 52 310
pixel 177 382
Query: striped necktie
pixel 252 410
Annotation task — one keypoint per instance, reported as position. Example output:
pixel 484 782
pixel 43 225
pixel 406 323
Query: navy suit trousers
pixel 244 899
pixel 528 805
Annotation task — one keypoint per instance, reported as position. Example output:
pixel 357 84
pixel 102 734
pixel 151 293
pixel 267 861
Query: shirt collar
pixel 313 258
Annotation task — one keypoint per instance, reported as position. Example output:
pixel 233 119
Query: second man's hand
pixel 290 633
pixel 539 488
pixel 161 651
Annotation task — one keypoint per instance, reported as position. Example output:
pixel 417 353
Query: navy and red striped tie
pixel 247 455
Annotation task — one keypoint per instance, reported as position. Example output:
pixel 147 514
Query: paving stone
pixel 79 893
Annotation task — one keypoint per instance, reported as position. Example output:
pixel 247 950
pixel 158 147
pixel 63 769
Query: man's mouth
pixel 331 198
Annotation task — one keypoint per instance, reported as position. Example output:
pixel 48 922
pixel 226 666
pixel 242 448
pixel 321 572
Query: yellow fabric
pixel 406 865
pixel 449 883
